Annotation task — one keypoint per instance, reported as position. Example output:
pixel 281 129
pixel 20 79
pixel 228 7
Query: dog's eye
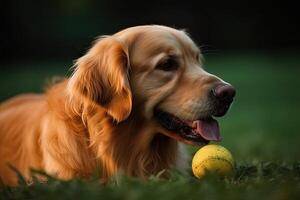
pixel 169 64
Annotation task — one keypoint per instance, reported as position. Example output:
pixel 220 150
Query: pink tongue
pixel 208 129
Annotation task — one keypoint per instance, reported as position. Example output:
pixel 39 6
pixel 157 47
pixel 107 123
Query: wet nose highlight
pixel 224 92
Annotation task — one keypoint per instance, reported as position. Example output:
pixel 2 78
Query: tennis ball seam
pixel 215 158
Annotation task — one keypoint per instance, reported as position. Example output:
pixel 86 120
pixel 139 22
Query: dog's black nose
pixel 224 92
pixel 223 96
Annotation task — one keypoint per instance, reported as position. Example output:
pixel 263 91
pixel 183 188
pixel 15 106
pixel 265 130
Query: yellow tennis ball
pixel 213 158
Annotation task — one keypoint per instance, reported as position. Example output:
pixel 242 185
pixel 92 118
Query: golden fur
pixel 102 115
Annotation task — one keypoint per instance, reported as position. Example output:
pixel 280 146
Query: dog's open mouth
pixel 198 131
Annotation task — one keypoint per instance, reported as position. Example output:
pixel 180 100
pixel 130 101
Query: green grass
pixel 261 131
pixel 262 181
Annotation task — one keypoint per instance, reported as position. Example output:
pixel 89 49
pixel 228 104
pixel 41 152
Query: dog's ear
pixel 101 76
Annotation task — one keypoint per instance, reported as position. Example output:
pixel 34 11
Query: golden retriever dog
pixel 131 102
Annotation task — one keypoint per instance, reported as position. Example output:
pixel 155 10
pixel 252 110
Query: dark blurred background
pixel 64 29
pixel 253 45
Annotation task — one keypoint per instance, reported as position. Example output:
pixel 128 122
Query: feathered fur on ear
pixel 101 76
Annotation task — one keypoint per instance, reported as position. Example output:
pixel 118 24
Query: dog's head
pixel 156 71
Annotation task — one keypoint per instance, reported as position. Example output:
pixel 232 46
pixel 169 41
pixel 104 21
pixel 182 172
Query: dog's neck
pixel 132 147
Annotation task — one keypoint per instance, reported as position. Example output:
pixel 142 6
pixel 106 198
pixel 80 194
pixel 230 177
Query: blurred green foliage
pixel 261 131
pixel 264 119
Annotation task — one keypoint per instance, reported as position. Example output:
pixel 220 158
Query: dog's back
pixel 19 135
